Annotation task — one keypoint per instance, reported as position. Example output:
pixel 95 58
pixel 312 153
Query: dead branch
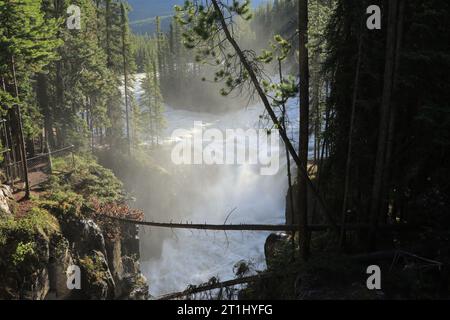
pixel 219 285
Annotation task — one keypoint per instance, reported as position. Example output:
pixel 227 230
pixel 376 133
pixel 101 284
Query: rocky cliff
pixel 43 239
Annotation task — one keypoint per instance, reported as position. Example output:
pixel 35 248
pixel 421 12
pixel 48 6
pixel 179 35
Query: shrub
pixel 87 178
pixel 23 251
pixel 38 220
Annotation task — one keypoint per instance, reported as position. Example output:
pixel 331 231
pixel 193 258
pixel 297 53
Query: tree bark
pixel 380 165
pixel 23 152
pixel 288 160
pixel 393 111
pixel 110 62
pixel 125 75
pixel 304 126
pixel 246 227
pixel 350 138
pixel 13 69
pixel 42 97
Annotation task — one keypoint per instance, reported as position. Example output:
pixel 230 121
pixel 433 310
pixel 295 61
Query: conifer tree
pixel 151 101
pixel 27 44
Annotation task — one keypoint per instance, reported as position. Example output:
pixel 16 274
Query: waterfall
pixel 213 194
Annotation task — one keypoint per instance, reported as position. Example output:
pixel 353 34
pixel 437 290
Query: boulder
pixel 6 198
pixel 85 236
pixel 37 286
pixel 272 246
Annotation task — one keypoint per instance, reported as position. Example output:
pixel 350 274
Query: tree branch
pixel 271 113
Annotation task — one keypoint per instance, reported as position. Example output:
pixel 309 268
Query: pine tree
pixel 27 43
pixel 151 101
pixel 110 39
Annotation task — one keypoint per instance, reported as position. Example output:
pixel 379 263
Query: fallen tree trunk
pixel 212 227
pixel 248 227
pixel 218 285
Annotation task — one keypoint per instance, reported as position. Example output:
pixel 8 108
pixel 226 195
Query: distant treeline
pixel 69 81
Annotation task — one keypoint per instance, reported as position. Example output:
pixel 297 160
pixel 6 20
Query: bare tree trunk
pixel 125 75
pixel 8 171
pixel 21 140
pixel 316 106
pixel 380 165
pixel 42 97
pixel 304 126
pixel 13 69
pixel 320 162
pixel 288 159
pixel 350 139
pixel 302 169
pixel 91 125
pixel 13 146
pixel 109 131
pixel 23 152
pixel 393 111
pixel 59 100
pixel 156 84
pixel 108 33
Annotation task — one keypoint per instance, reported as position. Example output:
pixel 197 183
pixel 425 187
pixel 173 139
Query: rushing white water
pixel 208 194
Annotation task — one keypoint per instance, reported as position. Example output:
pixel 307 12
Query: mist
pixel 212 194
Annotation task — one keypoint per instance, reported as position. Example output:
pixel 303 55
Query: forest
pixel 356 91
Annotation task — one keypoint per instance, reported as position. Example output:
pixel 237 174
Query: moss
pixel 37 221
pixel 92 266
pixel 67 193
pixel 24 243
pixel 25 240
pixel 63 203
pixel 73 187
pixel 7 224
pixel 85 177
pixel 95 270
pixel 23 252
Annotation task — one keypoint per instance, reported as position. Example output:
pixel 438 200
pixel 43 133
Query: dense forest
pixel 372 103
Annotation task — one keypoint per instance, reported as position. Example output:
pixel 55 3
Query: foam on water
pixel 194 257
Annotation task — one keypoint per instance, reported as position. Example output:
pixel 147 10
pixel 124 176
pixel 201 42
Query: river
pixel 211 194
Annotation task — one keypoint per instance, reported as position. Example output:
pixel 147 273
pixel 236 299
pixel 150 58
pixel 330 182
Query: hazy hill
pixel 142 16
pixel 144 9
